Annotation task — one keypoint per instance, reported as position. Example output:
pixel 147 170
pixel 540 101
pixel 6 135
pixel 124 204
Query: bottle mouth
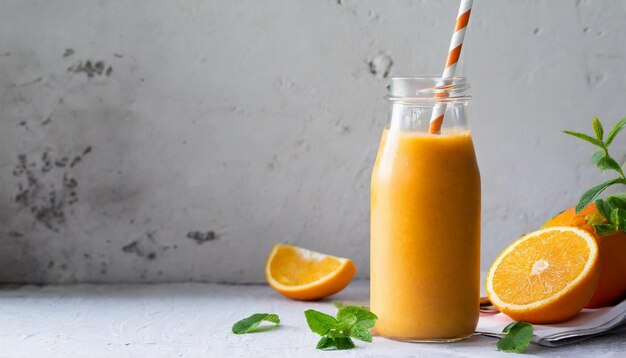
pixel 428 89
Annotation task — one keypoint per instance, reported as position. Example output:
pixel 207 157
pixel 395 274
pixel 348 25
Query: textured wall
pixel 164 140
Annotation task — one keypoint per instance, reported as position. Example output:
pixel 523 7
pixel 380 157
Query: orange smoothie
pixel 425 236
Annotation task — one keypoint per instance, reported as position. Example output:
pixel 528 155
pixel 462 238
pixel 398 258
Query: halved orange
pixel 303 274
pixel 611 250
pixel 546 276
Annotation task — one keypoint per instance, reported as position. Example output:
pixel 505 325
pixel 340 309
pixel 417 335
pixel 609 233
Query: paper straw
pixel 454 52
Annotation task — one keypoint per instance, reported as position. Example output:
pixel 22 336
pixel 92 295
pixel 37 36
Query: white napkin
pixel 588 323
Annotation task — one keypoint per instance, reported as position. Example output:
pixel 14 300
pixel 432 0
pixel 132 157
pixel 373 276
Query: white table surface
pixel 194 320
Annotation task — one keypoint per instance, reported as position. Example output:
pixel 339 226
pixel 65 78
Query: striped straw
pixel 436 120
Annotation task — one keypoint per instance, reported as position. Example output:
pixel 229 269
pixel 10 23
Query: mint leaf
pixel 597 156
pixel 597 128
pixel 364 320
pixel 339 343
pixel 616 129
pixel 607 162
pixel 585 137
pixel 337 304
pixel 615 216
pixel 617 201
pixel 319 322
pixel 618 218
pixel 248 325
pixel 347 320
pixel 362 334
pixel 605 229
pixel 362 315
pixel 592 193
pixel 517 338
pixel 604 208
pixel 351 321
pixel 614 210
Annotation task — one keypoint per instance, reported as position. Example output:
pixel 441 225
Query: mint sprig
pixel 517 338
pixel 613 209
pixel 250 324
pixel 337 332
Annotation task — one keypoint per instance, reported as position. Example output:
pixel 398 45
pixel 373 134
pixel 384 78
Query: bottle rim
pixel 429 89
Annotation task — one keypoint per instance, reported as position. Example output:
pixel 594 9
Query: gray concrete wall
pixel 178 140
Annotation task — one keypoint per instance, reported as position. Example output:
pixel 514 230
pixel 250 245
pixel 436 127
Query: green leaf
pixel 364 317
pixel 604 208
pixel 615 217
pixel 364 320
pixel 344 329
pixel 616 129
pixel 618 218
pixel 605 229
pixel 348 320
pixel 351 321
pixel 585 137
pixel 607 162
pixel 344 343
pixel 597 128
pixel 592 193
pixel 508 327
pixel 319 322
pixel 362 334
pixel 517 338
pixel 597 155
pixel 339 343
pixel 248 325
pixel 621 196
pixel 324 343
pixel 362 314
pixel 617 201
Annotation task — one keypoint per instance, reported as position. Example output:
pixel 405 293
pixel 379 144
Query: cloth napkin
pixel 588 323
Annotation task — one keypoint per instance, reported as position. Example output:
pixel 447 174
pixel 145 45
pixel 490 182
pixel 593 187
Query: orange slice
pixel 546 276
pixel 303 274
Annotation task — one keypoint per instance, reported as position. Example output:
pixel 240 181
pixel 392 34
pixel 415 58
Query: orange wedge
pixel 546 276
pixel 303 274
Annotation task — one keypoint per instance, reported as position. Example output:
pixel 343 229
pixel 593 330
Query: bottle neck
pixel 416 117
pixel 415 99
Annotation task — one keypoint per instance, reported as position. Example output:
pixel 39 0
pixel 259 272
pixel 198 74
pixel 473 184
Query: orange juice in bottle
pixel 425 216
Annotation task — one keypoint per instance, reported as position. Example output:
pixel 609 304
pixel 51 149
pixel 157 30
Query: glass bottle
pixel 425 216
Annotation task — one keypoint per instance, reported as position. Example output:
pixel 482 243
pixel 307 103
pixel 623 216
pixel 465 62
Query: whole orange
pixel 611 254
